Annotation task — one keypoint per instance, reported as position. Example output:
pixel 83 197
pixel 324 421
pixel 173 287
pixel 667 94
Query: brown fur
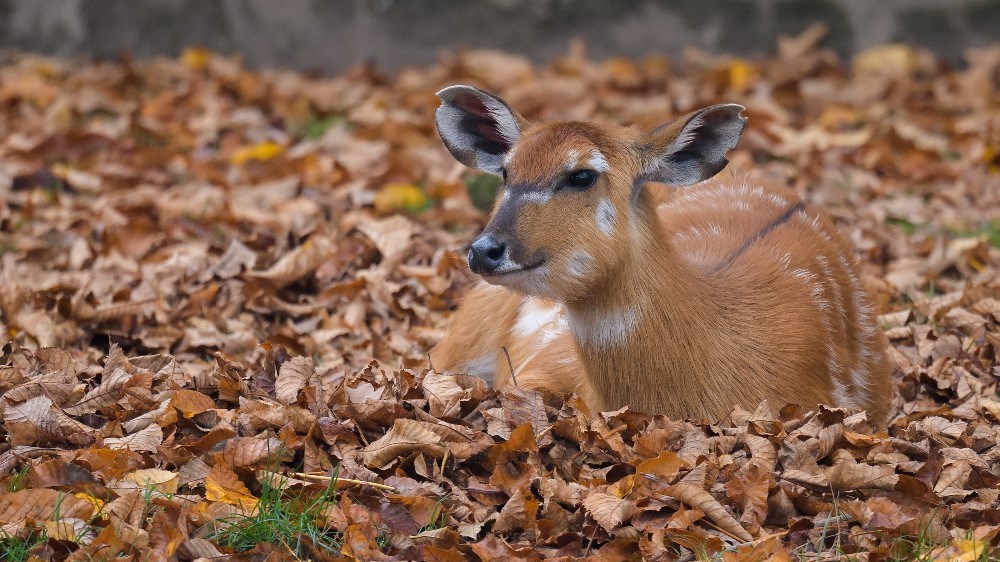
pixel 696 299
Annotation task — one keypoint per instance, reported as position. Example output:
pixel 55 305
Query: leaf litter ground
pixel 219 286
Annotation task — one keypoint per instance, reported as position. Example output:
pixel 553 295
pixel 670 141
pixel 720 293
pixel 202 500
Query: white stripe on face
pixel 606 216
pixel 579 264
pixel 538 197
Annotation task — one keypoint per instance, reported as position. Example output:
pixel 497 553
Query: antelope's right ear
pixel 693 148
pixel 477 127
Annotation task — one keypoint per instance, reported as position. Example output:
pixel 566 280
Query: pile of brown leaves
pixel 200 262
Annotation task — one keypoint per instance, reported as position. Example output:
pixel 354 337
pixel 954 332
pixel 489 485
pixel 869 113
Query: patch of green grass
pixel 317 126
pixel 438 518
pixel 17 549
pixel 482 190
pixel 906 226
pixel 19 480
pixel 293 521
pixel 923 548
pixel 990 231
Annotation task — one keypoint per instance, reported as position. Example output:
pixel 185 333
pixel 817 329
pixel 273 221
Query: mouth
pixel 508 272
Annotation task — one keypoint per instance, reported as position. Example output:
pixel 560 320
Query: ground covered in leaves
pixel 218 288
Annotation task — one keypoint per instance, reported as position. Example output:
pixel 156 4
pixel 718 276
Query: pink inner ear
pixel 486 125
pixel 471 104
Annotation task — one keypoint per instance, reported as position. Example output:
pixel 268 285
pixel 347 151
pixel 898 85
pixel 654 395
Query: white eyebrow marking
pixel 572 157
pixel 598 162
pixel 606 216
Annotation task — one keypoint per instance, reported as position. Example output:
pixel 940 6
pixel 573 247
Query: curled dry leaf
pixel 42 504
pixel 191 403
pixel 157 479
pixel 391 236
pixel 253 451
pixel 405 436
pixel 762 451
pixel 223 485
pixel 298 263
pixel 695 496
pixel 293 376
pixel 750 492
pixel 847 476
pixel 144 440
pixel 609 511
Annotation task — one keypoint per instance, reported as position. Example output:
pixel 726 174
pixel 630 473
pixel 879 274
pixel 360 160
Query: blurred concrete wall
pixel 330 35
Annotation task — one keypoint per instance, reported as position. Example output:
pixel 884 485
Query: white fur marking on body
pixel 859 376
pixel 534 317
pixel 841 395
pixel 483 367
pixel 777 199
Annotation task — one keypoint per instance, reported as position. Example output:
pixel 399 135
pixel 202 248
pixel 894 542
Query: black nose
pixel 486 254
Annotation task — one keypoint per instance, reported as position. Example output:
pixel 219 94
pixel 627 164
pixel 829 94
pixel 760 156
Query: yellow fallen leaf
pixel 69 530
pixel 98 503
pixel 223 485
pixel 740 73
pixel 157 479
pixel 991 156
pixel 886 59
pixel 400 197
pixel 196 58
pixel 262 151
pixel 966 550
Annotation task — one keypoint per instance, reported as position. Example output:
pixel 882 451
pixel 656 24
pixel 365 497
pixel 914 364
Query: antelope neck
pixel 643 326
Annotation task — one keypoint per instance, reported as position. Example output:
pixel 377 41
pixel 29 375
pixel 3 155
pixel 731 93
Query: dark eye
pixel 503 173
pixel 581 179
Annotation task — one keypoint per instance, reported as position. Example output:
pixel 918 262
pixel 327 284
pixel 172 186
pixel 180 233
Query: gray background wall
pixel 330 35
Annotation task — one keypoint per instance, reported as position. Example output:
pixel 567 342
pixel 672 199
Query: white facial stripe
pixel 579 264
pixel 598 162
pixel 538 197
pixel 606 216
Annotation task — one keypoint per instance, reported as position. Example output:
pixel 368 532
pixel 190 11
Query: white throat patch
pixel 603 330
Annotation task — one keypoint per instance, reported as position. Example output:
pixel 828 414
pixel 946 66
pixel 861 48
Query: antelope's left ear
pixel 477 127
pixel 693 148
